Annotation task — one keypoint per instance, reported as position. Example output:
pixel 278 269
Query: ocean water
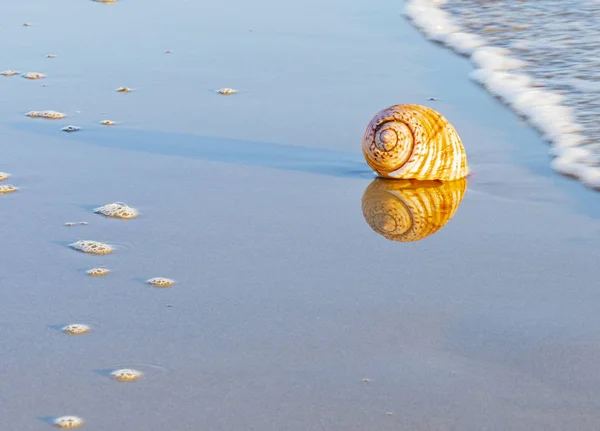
pixel 539 57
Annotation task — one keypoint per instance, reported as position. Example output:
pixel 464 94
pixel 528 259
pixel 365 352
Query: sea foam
pixel 502 74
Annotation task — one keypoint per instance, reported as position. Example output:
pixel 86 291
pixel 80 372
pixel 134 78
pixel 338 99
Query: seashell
pixel 160 282
pixel 98 272
pixel 34 75
pixel 410 210
pixel 71 129
pixel 123 90
pixel 117 209
pixel 7 188
pixel 67 422
pixel 76 329
pixel 126 375
pixel 107 122
pixel 414 142
pixel 51 56
pixel 226 91
pixel 3 176
pixel 93 247
pixel 26 24
pixel 9 72
pixel 51 115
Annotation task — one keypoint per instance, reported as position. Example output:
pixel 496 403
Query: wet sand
pixel 285 298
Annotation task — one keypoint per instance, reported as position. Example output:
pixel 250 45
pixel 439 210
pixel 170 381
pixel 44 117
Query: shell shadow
pixel 410 210
pixel 224 150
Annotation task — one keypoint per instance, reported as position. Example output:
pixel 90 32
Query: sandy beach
pixel 285 300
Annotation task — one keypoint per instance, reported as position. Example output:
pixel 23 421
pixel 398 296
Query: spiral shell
pixel 414 142
pixel 410 210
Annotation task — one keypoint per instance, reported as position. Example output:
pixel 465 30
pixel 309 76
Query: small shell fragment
pixel 34 75
pixel 7 188
pixel 9 72
pixel 26 24
pixel 3 176
pixel 117 209
pixel 76 329
pixel 51 115
pixel 107 122
pixel 123 90
pixel 51 56
pixel 98 272
pixel 67 422
pixel 226 91
pixel 92 247
pixel 126 375
pixel 160 282
pixel 70 129
pixel 168 51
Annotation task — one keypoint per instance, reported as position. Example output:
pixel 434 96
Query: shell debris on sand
pixel 76 329
pixel 51 115
pixel 3 176
pixel 72 223
pixel 107 123
pixel 97 272
pixel 92 247
pixel 226 91
pixel 67 422
pixel 33 75
pixel 7 188
pixel 9 72
pixel 124 90
pixel 161 282
pixel 71 129
pixel 117 209
pixel 126 375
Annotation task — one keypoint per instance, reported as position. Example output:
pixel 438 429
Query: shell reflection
pixel 410 210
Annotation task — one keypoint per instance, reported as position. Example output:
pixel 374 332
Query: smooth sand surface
pixel 285 298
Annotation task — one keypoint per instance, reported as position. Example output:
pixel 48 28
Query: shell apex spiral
pixel 414 142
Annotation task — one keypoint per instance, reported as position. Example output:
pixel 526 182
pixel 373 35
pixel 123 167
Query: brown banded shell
pixel 414 142
pixel 410 210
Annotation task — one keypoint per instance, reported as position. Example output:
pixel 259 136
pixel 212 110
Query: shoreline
pixel 286 299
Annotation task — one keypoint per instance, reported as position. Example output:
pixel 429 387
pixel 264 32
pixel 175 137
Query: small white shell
pixel 160 282
pixel 71 128
pixel 9 72
pixel 124 90
pixel 76 329
pixel 226 91
pixel 97 272
pixel 34 75
pixel 92 247
pixel 3 176
pixel 117 209
pixel 51 115
pixel 67 422
pixel 126 375
pixel 7 188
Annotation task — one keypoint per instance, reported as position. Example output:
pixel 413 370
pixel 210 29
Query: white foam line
pixel 499 73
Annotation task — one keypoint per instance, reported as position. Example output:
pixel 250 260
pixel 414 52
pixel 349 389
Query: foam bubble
pixel 226 91
pixel 501 74
pixel 117 209
pixel 68 422
pixel 160 282
pixel 98 272
pixel 34 75
pixel 126 375
pixel 3 176
pixel 7 188
pixel 92 247
pixel 76 329
pixel 52 115
pixel 9 72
